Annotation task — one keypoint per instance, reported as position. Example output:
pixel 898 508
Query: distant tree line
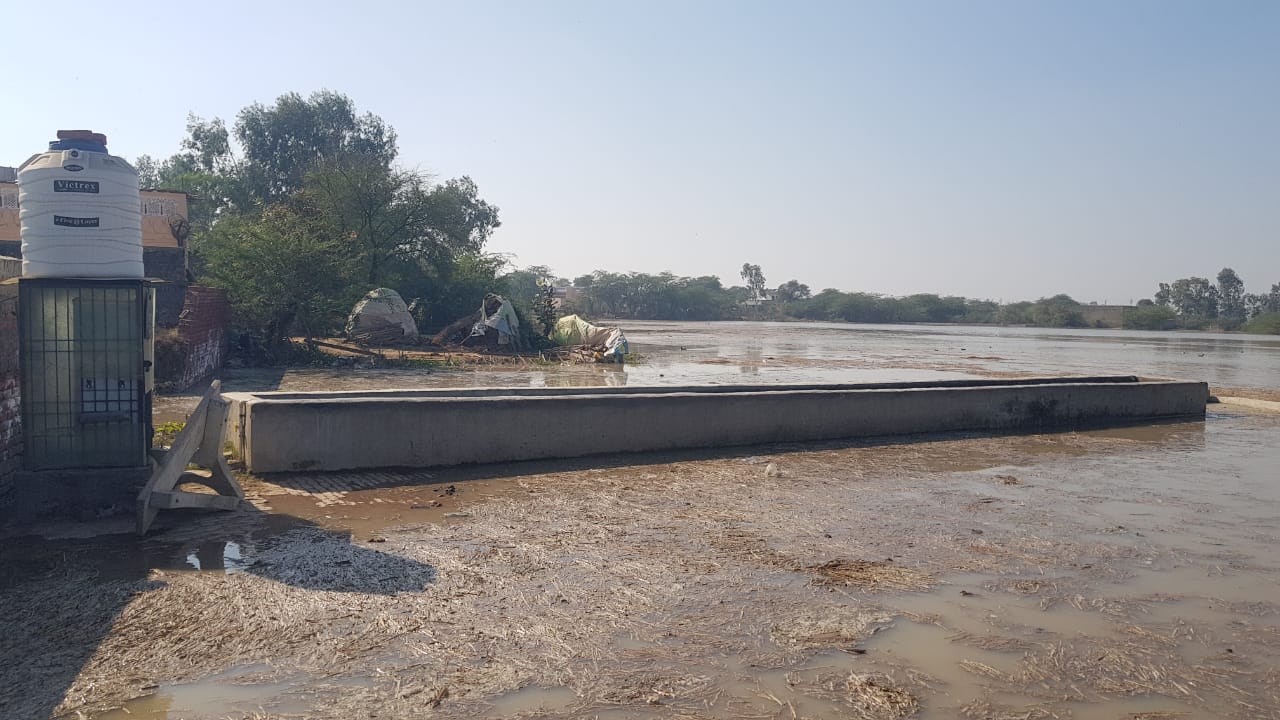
pixel 1188 303
pixel 1198 303
pixel 667 296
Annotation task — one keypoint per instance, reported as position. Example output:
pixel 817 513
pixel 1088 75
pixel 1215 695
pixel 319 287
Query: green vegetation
pixel 1196 303
pixel 1264 324
pixel 313 213
pixel 166 433
pixel 1150 317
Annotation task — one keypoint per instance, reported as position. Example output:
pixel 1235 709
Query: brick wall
pixel 202 335
pixel 10 389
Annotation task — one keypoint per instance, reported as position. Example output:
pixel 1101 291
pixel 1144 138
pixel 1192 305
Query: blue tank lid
pixel 86 140
pixel 86 145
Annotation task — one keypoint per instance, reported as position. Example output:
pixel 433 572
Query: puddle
pixel 225 556
pixel 533 699
pixel 1213 582
pixel 219 696
pixel 931 650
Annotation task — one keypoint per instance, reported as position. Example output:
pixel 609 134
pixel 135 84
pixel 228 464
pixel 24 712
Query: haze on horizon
pixel 997 150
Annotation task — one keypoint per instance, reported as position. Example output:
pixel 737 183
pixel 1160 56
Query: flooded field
pixel 1124 573
pixel 672 353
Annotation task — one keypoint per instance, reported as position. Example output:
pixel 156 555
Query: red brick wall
pixel 202 327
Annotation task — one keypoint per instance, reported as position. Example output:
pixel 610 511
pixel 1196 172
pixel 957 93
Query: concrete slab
pixel 276 432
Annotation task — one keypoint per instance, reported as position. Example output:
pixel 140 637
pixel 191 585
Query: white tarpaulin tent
pixel 607 343
pixel 497 313
pixel 381 317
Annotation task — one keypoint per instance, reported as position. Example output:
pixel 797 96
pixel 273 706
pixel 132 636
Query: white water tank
pixel 80 210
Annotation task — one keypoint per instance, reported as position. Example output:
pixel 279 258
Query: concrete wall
pixel 1111 316
pixel 311 432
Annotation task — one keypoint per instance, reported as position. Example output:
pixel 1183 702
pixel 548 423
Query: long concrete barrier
pixel 284 431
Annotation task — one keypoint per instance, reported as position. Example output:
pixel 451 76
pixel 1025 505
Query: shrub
pixel 1149 317
pixel 1264 324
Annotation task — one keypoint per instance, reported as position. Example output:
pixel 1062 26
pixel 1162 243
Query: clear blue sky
pixel 990 149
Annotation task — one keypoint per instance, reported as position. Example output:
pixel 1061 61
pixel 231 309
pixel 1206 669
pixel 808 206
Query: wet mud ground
pixel 1124 573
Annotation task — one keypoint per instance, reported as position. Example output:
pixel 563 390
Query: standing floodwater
pixel 1094 575
pixel 684 353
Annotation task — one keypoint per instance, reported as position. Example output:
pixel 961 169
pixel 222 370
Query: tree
pixel 282 270
pixel 1254 305
pixel 792 290
pixel 383 213
pixel 1194 298
pixel 460 220
pixel 206 170
pixel 754 278
pixel 1164 296
pixel 283 142
pixel 1230 289
pixel 1056 311
pixel 1148 317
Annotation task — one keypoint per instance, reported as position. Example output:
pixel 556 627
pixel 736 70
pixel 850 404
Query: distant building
pixel 1106 316
pixel 164 236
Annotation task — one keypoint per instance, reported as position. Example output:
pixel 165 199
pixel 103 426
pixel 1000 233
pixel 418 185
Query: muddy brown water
pixel 1106 574
pixel 671 353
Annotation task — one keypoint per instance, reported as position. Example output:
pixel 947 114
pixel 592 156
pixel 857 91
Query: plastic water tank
pixel 80 210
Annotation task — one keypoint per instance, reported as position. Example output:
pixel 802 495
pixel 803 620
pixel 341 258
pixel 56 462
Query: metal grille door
pixel 83 378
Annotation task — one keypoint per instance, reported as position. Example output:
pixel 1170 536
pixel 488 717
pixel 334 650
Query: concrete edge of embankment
pixel 324 432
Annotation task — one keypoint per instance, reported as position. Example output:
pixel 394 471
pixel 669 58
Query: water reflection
pixel 225 556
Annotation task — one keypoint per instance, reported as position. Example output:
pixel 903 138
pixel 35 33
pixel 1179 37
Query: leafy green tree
pixel 1149 317
pixel 1056 311
pixel 460 219
pixel 1015 313
pixel 383 213
pixel 792 290
pixel 980 312
pixel 522 286
pixel 1231 309
pixel 754 278
pixel 1194 298
pixel 282 142
pixel 454 287
pixel 283 271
